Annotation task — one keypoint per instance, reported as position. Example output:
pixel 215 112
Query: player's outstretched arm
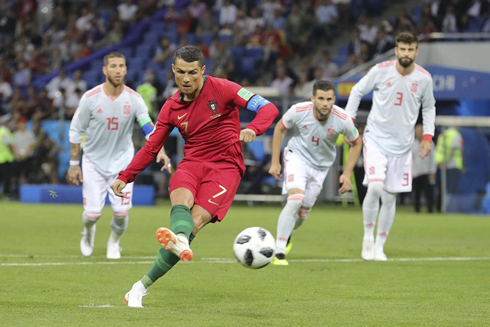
pixel 354 153
pixel 117 186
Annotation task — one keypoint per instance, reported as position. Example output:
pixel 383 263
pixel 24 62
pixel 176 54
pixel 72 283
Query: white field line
pixel 96 306
pixel 220 260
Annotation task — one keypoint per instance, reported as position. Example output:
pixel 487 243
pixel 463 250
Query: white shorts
pixel 297 174
pixel 95 188
pixel 395 172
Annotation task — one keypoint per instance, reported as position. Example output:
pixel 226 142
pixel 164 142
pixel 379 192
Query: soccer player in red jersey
pixel 204 185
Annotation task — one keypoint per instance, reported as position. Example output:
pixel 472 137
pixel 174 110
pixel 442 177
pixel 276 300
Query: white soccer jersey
pixel 108 125
pixel 313 140
pixel 396 104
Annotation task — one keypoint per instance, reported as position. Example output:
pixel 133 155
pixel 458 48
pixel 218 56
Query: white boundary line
pixel 222 260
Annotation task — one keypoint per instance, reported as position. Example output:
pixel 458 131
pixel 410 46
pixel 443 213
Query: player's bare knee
pixel 182 196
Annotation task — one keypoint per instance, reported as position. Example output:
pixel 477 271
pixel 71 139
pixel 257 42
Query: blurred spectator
pixel 6 156
pixel 354 46
pixel 171 15
pixel 203 47
pixel 449 155
pixel 24 142
pixel 6 90
pixel 450 22
pixel 168 91
pixel 278 21
pixel 5 71
pixel 383 43
pixel 196 10
pixel 254 20
pixel 114 36
pixel 76 83
pixel 366 54
pixel 303 88
pixel 58 82
pixel 475 8
pixel 60 105
pixel 55 61
pixel 185 23
pixel 207 24
pixel 22 77
pixel 72 102
pixel 127 11
pixel 95 33
pixel 368 31
pixel 282 81
pixel 424 173
pixel 165 50
pixel 7 23
pixel 227 13
pixel 326 16
pixel 44 158
pixel 426 26
pixel 403 22
pixel 223 64
pixel 352 62
pixel 299 28
pixel 343 9
pixel 268 8
pixel 148 92
pixel 329 69
pixel 37 64
pixel 44 106
pixel 83 21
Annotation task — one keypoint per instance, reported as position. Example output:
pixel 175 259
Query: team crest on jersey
pixel 330 132
pixel 213 106
pixel 414 87
pixel 290 178
pixel 126 109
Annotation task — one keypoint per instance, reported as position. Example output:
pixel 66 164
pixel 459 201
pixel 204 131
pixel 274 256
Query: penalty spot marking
pixel 225 261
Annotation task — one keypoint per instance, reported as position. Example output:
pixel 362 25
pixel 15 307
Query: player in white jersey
pixel 106 115
pixel 308 156
pixel 399 88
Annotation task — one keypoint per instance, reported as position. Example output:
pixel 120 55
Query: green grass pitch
pixel 438 273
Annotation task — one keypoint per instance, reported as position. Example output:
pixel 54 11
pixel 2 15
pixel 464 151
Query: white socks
pixel 385 221
pixel 370 208
pixel 301 217
pixel 90 218
pixel 286 222
pixel 119 223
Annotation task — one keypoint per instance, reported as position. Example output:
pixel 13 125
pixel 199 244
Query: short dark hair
pixel 324 86
pixel 113 54
pixel 406 37
pixel 190 53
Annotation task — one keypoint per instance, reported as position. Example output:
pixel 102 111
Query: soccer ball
pixel 254 247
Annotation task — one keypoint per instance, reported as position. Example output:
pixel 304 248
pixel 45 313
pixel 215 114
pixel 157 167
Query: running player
pixel 400 87
pixel 205 111
pixel 106 115
pixel 308 156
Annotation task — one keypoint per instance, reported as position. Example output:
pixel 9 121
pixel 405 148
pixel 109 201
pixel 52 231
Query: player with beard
pixel 106 115
pixel 400 88
pixel 308 156
pixel 205 111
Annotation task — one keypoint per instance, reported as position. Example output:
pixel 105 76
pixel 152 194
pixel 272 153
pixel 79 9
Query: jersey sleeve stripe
pixel 340 114
pixel 94 92
pixel 130 90
pixel 303 108
pixel 385 64
pixel 423 70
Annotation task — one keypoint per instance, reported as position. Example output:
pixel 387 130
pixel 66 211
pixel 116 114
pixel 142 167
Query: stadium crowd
pixel 288 48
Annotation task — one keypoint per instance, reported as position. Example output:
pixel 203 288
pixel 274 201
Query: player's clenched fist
pixel 247 135
pixel 117 187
